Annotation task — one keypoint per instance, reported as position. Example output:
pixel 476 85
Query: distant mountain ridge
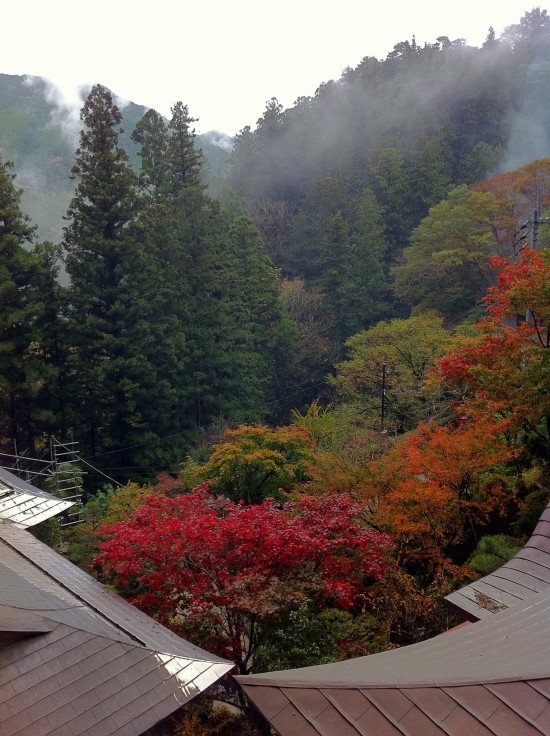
pixel 39 133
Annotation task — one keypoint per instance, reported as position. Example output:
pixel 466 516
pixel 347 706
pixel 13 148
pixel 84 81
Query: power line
pixel 81 459
pixel 132 447
pixel 138 467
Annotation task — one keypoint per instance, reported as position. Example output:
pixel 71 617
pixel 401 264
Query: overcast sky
pixel 225 58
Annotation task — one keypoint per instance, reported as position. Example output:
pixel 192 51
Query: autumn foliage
pixel 226 573
pixel 441 486
pixel 517 193
pixel 437 488
pixel 219 572
pixel 504 371
pixel 254 463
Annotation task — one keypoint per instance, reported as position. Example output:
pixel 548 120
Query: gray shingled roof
pixel 492 677
pixel 77 659
pixel 524 575
pixel 23 504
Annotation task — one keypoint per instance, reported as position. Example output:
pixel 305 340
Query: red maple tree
pixel 219 572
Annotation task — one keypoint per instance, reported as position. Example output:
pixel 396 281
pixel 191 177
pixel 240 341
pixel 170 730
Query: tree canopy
pixel 222 572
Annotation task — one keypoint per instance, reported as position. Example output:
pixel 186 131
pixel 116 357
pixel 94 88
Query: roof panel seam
pixel 310 720
pixel 437 723
pixel 521 584
pixel 448 692
pixel 349 720
pixel 379 709
pixel 506 701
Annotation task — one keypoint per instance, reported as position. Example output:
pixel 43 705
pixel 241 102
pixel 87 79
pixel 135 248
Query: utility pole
pixel 383 406
pixel 533 223
pixel 534 228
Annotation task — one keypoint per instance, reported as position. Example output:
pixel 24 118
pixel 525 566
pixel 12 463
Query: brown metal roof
pixel 23 504
pixel 77 659
pixel 524 575
pixel 492 677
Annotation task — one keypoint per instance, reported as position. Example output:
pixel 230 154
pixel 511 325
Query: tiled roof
pixel 23 504
pixel 77 659
pixel 492 677
pixel 524 575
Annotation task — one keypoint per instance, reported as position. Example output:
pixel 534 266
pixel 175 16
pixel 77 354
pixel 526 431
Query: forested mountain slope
pixel 355 168
pixel 171 317
pixel 376 198
pixel 39 132
pixel 307 457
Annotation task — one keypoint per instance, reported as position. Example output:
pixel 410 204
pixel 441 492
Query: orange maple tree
pixel 442 486
pixel 504 371
pixel 517 193
pixel 437 488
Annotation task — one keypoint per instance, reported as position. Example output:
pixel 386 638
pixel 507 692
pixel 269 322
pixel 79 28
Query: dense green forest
pixel 361 198
pixel 172 318
pixel 401 132
pixel 329 346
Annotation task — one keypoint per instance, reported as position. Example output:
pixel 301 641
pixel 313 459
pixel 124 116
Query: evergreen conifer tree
pixel 16 311
pixel 256 308
pixel 183 159
pixel 151 134
pixel 111 380
pixel 26 366
pixel 217 291
pixel 352 253
pixel 180 228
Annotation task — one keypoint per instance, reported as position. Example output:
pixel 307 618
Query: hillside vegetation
pixel 309 386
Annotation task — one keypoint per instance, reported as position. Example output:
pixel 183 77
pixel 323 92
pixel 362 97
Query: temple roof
pixel 25 505
pixel 491 677
pixel 75 658
pixel 524 575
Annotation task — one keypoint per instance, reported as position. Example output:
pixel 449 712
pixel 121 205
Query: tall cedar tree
pixel 162 227
pixel 352 263
pixel 48 347
pixel 183 159
pixel 182 229
pixel 223 322
pixel 269 334
pixel 151 135
pixel 169 159
pixel 23 273
pixel 110 381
